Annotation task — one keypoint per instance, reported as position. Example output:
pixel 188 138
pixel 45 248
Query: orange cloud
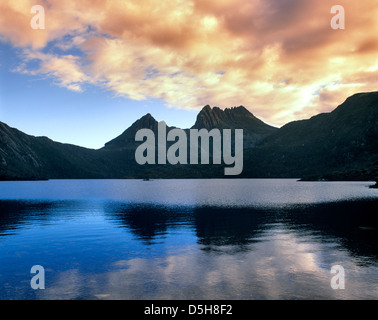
pixel 281 58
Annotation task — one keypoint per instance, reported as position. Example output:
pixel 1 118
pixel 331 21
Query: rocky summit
pixel 339 145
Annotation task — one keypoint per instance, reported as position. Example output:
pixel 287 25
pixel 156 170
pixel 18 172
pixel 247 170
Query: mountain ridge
pixel 340 144
pixel 254 129
pixel 328 145
pixel 145 122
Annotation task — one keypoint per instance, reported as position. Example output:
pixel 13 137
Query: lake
pixel 188 239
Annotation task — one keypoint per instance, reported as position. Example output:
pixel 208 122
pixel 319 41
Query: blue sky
pixel 37 106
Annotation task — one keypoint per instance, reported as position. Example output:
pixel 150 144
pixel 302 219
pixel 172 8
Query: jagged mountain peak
pixel 232 118
pixel 341 144
pixel 208 118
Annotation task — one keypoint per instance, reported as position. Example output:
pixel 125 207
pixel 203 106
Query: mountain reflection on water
pixel 353 225
pixel 113 249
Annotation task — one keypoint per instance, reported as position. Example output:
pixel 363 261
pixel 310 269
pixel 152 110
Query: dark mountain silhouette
pixel 340 145
pixel 127 138
pixel 119 153
pixel 235 118
pixel 27 157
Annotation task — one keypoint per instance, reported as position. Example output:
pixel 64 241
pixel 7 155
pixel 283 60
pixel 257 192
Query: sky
pixel 99 65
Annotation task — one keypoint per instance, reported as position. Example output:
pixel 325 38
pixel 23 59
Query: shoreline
pixel 20 179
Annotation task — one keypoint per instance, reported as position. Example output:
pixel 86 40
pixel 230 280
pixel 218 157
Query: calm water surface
pixel 188 239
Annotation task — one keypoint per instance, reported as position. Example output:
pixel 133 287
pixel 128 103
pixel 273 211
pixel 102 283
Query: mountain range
pixel 340 145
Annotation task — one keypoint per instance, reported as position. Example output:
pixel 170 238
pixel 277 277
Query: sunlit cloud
pixel 64 70
pixel 281 59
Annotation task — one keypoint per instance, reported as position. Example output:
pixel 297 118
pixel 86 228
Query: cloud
pixel 64 70
pixel 281 59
